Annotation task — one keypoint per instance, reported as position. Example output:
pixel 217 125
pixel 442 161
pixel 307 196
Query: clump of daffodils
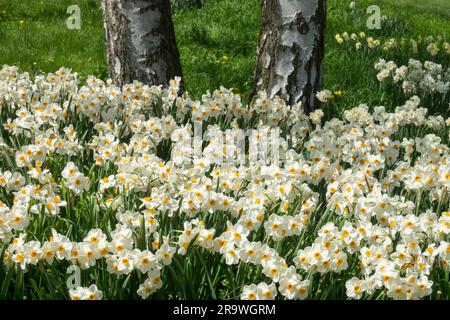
pixel 430 46
pixel 91 293
pixel 363 200
pixel 416 78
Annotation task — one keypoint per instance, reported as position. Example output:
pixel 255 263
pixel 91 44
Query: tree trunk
pixel 140 41
pixel 290 54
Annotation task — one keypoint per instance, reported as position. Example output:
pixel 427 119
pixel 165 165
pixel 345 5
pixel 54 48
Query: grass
pixel 217 44
pixel 35 37
pixel 217 41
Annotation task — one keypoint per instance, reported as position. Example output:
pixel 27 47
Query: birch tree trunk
pixel 290 53
pixel 140 41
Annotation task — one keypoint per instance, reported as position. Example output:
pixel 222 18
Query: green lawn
pixel 43 42
pixel 217 41
pixel 432 8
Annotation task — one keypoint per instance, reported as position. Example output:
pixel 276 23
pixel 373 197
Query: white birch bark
pixel 140 41
pixel 290 53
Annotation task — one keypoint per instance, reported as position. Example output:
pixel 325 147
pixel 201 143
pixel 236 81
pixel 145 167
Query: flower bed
pixel 109 180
